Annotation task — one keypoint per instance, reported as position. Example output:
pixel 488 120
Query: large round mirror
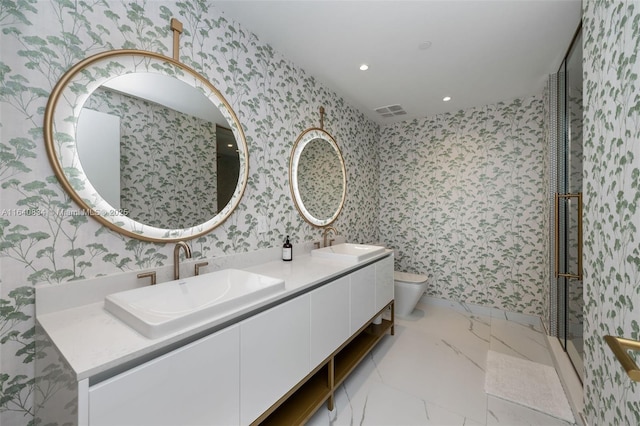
pixel 318 177
pixel 146 145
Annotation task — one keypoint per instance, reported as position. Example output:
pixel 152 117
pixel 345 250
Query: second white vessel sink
pixel 348 252
pixel 165 308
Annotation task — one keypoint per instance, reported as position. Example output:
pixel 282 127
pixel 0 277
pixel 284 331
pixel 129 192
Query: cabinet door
pixel 384 282
pixel 195 385
pixel 362 296
pixel 329 319
pixel 274 355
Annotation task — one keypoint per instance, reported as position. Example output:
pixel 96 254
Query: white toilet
pixel 408 289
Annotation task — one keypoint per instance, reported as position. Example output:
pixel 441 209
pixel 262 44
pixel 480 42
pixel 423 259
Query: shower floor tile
pixel 432 372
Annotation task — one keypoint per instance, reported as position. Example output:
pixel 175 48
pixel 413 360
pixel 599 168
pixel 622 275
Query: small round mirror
pixel 317 176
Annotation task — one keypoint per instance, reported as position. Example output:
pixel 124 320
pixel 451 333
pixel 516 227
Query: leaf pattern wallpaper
pixel 41 243
pixel 461 199
pixel 575 290
pixel 611 92
pixel 549 99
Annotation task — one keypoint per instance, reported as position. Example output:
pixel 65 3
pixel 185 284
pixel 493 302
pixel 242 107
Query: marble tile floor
pixel 432 372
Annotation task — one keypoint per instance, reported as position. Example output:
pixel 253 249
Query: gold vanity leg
pixel 331 378
pixel 393 318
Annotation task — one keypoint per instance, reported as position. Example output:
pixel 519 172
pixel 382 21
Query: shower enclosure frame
pixel 565 190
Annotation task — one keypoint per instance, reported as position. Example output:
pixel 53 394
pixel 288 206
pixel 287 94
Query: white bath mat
pixel 527 383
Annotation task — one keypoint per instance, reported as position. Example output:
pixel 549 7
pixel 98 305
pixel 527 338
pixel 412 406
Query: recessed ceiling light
pixel 424 45
pixel 230 145
pixel 364 67
pixel 446 98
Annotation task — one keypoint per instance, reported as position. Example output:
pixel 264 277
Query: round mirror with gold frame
pixel 318 177
pixel 146 145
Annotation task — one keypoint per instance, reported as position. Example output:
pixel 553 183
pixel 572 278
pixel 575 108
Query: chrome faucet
pixel 325 233
pixel 176 257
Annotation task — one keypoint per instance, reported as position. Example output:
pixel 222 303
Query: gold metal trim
pixel 197 267
pixel 556 243
pixel 151 275
pixel 62 178
pixel 578 197
pixel 331 382
pixel 393 317
pixel 296 202
pixel 620 346
pixel 176 27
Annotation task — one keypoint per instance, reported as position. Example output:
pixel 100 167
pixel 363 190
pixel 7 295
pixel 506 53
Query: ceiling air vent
pixel 391 110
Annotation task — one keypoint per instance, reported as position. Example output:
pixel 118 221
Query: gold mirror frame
pixel 303 140
pixel 60 120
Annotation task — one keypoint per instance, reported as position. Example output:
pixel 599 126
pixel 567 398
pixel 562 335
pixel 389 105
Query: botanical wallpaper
pixel 548 304
pixel 41 241
pixel 461 199
pixel 575 288
pixel 168 161
pixel 611 216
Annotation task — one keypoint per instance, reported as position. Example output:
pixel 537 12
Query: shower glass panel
pixel 569 206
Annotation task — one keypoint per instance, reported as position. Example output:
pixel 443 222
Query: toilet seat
pixel 409 278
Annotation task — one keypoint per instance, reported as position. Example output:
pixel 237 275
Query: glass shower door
pixel 569 208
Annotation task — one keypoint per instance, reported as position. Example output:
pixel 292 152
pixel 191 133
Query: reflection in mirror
pixel 158 150
pixel 228 165
pixel 146 145
pixel 318 177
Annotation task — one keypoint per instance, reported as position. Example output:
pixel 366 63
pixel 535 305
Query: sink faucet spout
pixel 325 233
pixel 176 257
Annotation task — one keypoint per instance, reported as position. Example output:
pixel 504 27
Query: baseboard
pixel 525 319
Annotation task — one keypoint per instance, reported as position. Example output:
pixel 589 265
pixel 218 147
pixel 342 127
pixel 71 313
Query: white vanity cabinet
pixel 196 384
pixel 341 335
pixel 329 319
pixel 274 355
pixel 384 282
pixel 362 294
pixel 274 366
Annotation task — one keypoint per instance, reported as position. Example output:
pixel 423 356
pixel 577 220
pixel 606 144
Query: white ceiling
pixel 481 51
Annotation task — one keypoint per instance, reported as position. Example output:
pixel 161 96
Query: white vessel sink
pixel 348 252
pixel 165 308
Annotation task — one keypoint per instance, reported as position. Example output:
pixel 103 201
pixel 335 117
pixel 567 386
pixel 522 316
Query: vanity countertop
pixel 93 341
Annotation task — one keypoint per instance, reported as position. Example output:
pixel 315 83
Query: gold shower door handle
pixel 578 197
pixel 620 346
